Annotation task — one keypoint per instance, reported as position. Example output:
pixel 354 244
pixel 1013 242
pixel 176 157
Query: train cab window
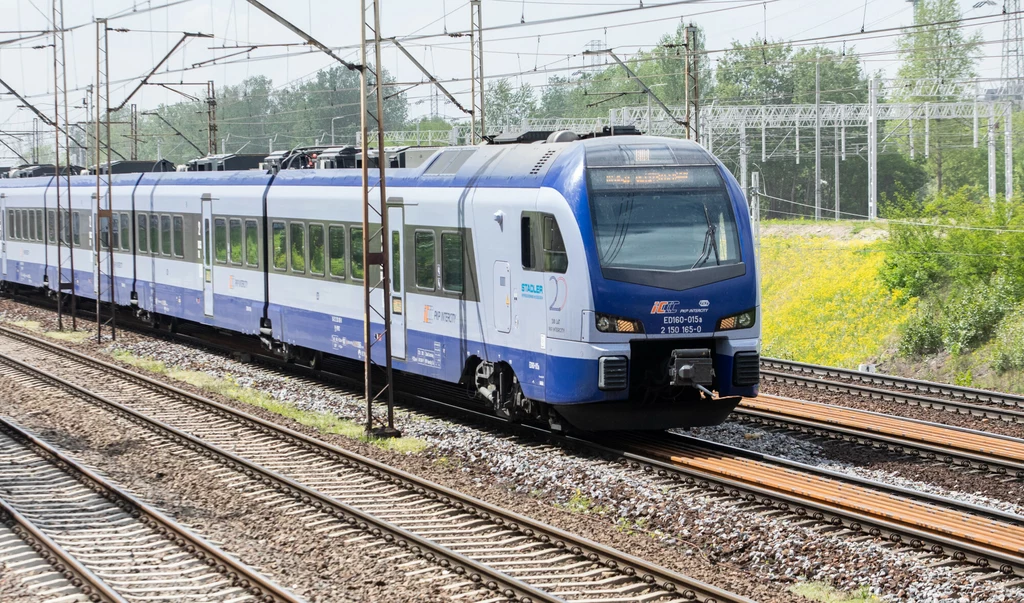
pixel 76 229
pixel 542 247
pixel 316 249
pixel 451 262
pixel 126 232
pixel 298 246
pixel 355 245
pixel 423 254
pixel 252 243
pixel 115 232
pixel 143 240
pixel 220 240
pixel 235 241
pixel 51 227
pixel 280 247
pixel 165 235
pixel 336 247
pixel 179 236
pixel 154 233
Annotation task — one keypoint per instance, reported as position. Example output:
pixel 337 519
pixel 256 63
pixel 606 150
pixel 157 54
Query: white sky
pixel 519 48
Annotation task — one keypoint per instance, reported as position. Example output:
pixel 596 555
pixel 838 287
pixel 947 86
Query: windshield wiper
pixel 710 244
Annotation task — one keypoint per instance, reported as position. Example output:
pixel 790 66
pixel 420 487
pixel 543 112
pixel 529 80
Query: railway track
pixel 972 449
pixel 506 555
pixel 106 543
pixel 927 394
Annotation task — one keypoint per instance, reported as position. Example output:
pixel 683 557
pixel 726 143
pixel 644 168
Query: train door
pixel 3 233
pixel 502 297
pixel 207 244
pixel 396 242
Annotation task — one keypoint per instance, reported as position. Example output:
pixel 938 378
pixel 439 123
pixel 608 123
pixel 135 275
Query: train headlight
pixel 614 324
pixel 743 320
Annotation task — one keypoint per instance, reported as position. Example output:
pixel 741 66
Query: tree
pixel 506 105
pixel 938 48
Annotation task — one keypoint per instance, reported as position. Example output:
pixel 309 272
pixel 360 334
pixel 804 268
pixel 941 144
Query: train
pixel 586 282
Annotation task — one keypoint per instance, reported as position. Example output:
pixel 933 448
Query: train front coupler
pixel 692 368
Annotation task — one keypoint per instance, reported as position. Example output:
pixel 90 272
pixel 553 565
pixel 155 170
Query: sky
pixel 517 41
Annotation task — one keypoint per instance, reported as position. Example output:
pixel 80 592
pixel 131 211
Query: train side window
pixel 51 227
pixel 555 258
pixel 179 236
pixel 220 240
pixel 32 224
pixel 280 247
pixel 126 232
pixel 252 243
pixel 396 260
pixel 336 247
pixel 526 243
pixel 12 229
pixel 298 246
pixel 452 278
pixel 65 226
pixel 316 249
pixel 143 241
pixel 76 229
pixel 165 235
pixel 24 225
pixel 355 246
pixel 40 225
pixel 115 232
pixel 423 255
pixel 154 233
pixel 235 241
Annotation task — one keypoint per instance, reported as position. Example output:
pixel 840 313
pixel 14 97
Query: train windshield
pixel 662 218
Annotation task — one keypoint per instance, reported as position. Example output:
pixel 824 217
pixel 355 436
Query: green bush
pixel 920 335
pixel 969 316
pixel 1008 351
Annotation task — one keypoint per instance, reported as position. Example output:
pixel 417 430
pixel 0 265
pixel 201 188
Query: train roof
pixel 483 166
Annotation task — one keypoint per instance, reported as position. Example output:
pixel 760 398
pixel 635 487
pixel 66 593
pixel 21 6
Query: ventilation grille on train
pixel 612 372
pixel 746 369
pixel 541 162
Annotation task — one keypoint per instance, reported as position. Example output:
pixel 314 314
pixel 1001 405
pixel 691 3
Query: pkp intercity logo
pixel 665 307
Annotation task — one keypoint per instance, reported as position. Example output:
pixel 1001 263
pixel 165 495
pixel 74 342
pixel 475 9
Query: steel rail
pixel 240 574
pixel 1008 407
pixel 904 443
pixel 79 576
pixel 653 575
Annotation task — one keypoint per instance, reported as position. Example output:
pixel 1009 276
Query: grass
pixel 819 591
pixel 321 421
pixel 71 336
pixel 822 301
pixel 581 503
pixel 31 325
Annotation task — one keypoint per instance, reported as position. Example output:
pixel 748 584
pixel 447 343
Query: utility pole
pixel 992 153
pixel 134 119
pixel 62 142
pixel 211 118
pixel 835 185
pixel 1008 151
pixel 743 159
pixel 872 149
pixel 817 140
pixel 691 76
pixel 103 220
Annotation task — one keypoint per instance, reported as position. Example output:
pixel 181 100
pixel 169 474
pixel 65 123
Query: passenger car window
pixel 316 249
pixel 220 240
pixel 252 243
pixel 355 245
pixel 126 232
pixel 12 229
pixel 24 225
pixel 235 240
pixel 337 250
pixel 179 236
pixel 424 258
pixel 32 225
pixel 280 247
pixel 298 245
pixel 143 241
pixel 451 262
pixel 165 235
pixel 51 227
pixel 76 229
pixel 154 233
pixel 116 231
pixel 396 260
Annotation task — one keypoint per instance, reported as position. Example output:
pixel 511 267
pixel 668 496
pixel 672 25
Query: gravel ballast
pixel 695 532
pixel 316 566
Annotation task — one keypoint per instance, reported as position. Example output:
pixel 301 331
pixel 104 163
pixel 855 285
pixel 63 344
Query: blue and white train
pixel 606 283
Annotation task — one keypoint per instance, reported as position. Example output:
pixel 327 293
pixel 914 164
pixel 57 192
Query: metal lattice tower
pixel 102 224
pixel 476 67
pixel 1013 48
pixel 65 273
